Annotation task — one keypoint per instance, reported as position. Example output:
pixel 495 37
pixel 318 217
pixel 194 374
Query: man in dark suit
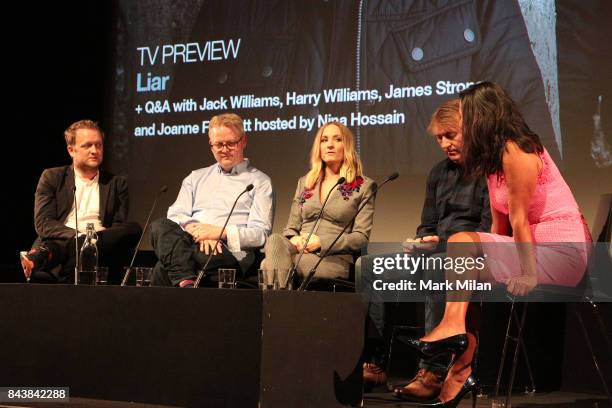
pixel 101 198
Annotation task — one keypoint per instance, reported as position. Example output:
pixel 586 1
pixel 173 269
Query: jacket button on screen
pixel 417 54
pixel 469 35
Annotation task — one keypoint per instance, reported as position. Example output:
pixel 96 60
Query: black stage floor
pixel 548 400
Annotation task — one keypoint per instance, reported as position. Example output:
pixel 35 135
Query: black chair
pixel 335 284
pixel 582 294
pixel 338 284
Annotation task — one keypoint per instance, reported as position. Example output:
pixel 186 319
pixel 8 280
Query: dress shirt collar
pixel 237 169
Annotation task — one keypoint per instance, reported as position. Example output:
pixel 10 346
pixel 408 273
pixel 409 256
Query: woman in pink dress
pixel 531 204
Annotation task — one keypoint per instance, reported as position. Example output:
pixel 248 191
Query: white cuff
pixel 233 238
pixel 183 221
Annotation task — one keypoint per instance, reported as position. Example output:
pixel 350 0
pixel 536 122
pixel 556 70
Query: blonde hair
pixel 446 117
pixel 351 167
pixel 70 133
pixel 230 120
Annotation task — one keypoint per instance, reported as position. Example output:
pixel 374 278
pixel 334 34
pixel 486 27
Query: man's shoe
pixel 425 386
pixel 373 374
pixel 33 260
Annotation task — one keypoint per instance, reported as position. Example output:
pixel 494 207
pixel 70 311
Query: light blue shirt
pixel 207 195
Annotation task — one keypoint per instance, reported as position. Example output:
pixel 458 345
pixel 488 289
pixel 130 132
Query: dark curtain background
pixel 60 59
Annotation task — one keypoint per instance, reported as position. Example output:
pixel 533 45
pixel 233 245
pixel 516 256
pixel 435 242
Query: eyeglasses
pixel 230 145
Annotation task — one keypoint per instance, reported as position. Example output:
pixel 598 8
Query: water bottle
pixel 88 258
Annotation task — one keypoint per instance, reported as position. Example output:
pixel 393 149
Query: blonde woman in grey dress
pixel 332 156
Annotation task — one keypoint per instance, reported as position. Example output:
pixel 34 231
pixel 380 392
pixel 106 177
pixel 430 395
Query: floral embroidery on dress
pixel 305 195
pixel 347 189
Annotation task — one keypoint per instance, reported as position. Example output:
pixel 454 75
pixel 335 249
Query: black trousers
pixel 115 249
pixel 380 324
pixel 180 258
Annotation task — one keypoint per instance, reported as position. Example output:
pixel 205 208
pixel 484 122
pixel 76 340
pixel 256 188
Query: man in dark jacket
pixel 101 198
pixel 453 203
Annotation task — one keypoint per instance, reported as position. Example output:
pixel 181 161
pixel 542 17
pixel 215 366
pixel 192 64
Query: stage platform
pixel 184 347
pixel 225 348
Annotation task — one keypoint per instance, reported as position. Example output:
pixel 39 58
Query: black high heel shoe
pixel 456 345
pixel 469 385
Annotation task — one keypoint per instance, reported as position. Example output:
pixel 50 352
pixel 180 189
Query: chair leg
pixel 476 361
pixel 587 339
pixel 389 356
pixel 516 352
pixel 602 327
pixel 526 358
pixel 504 351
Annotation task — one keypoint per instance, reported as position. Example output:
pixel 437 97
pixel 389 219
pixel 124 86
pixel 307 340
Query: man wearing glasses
pixel 184 240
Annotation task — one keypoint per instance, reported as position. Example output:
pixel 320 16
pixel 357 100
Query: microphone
pixel 293 269
pixel 392 177
pixel 311 273
pixel 129 268
pixel 203 270
pixel 76 235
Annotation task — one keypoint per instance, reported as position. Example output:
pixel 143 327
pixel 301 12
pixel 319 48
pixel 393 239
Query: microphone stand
pixel 76 236
pixel 312 271
pixel 214 249
pixel 129 269
pixel 293 269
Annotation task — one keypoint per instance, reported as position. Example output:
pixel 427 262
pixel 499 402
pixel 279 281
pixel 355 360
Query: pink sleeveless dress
pixel 558 228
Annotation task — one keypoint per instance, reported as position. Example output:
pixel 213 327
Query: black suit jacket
pixel 55 197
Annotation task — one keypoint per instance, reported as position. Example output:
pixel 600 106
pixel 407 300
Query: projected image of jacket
pixel 432 48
